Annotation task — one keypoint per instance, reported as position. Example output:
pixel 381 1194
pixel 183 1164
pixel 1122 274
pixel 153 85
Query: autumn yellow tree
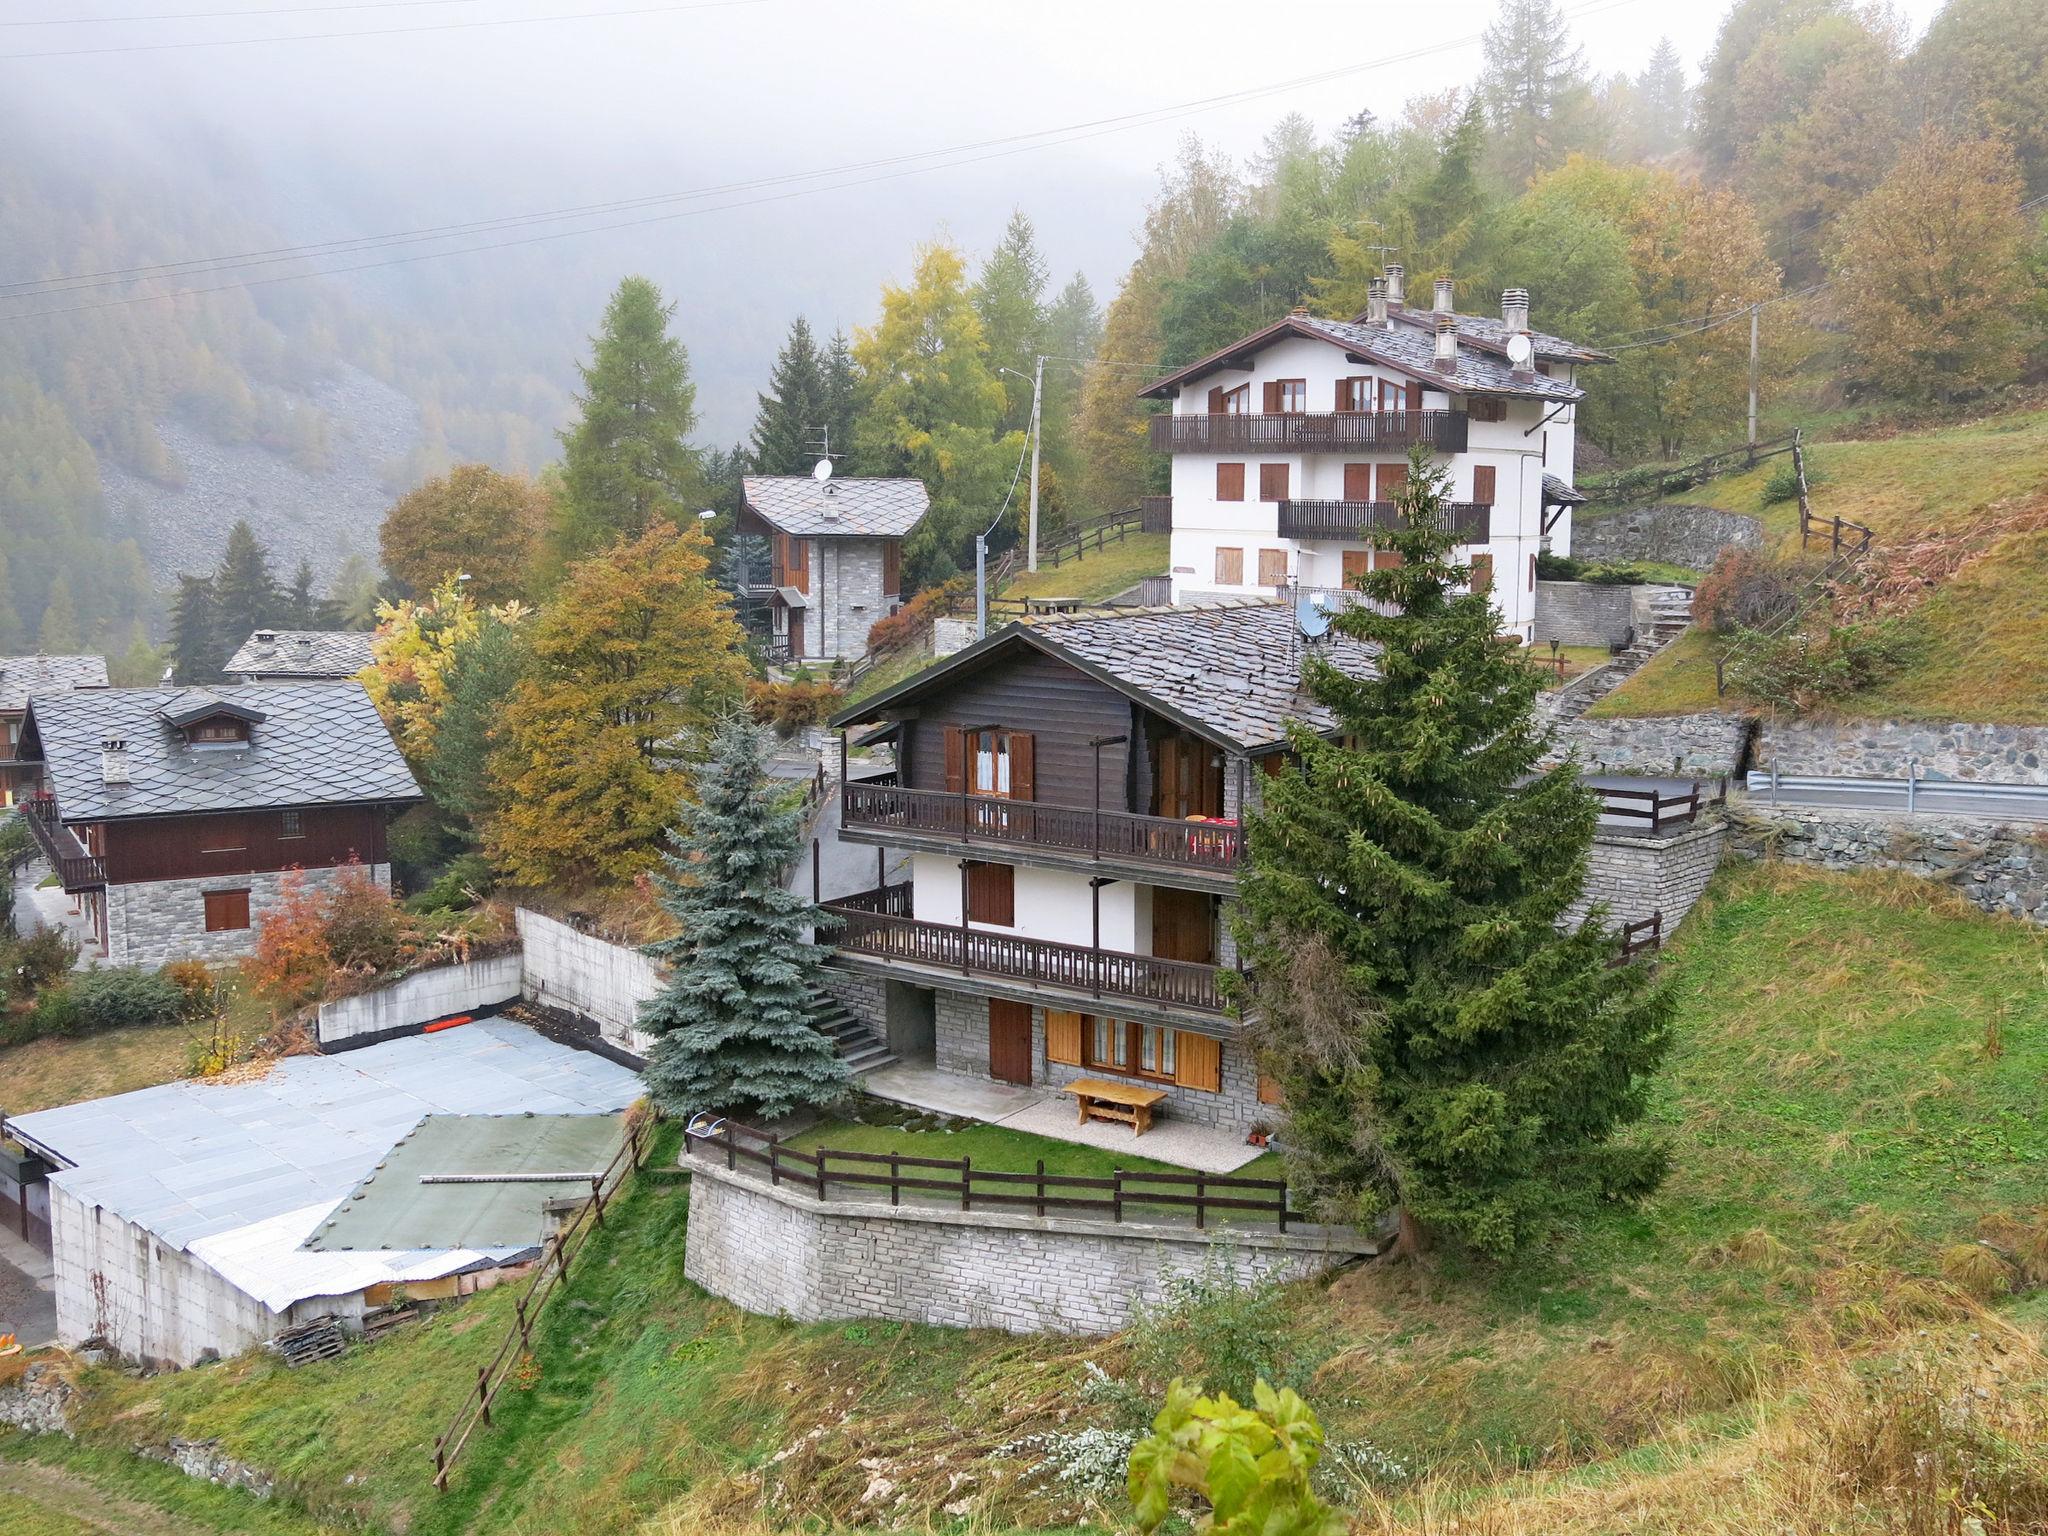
pixel 411 654
pixel 472 520
pixel 637 650
pixel 1928 277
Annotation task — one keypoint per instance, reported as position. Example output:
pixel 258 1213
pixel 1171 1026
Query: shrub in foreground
pixel 118 997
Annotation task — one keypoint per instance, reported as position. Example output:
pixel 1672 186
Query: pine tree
pixel 245 592
pixel 627 463
pixel 196 653
pixel 302 607
pixel 842 392
pixel 353 595
pixel 1534 85
pixel 1661 99
pixel 1442 1044
pixel 793 415
pixel 59 634
pixel 733 1024
pixel 1009 296
pixel 10 616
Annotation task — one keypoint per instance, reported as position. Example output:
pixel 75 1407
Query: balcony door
pixel 1009 1041
pixel 1184 925
pixel 1187 778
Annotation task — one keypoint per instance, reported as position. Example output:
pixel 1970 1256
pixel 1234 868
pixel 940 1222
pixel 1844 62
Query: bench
pixel 1123 1103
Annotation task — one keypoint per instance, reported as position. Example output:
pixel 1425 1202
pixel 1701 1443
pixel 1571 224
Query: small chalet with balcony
pixel 1069 792
pixel 174 814
pixel 20 677
pixel 1290 445
pixel 836 557
pixel 300 655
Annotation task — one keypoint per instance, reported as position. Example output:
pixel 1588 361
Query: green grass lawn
pixel 50 1486
pixel 1099 574
pixel 1579 660
pixel 48 1072
pixel 1678 680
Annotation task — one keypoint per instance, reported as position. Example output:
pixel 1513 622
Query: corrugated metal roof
pixel 851 508
pixel 21 676
pixel 308 653
pixel 266 1260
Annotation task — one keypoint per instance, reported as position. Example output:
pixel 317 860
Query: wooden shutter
pixel 1063 1037
pixel 956 759
pixel 1415 394
pixel 1269 1091
pixel 1272 397
pixel 1272 567
pixel 892 568
pixel 1198 1062
pixel 226 910
pixel 1230 482
pixel 1358 482
pixel 1272 482
pixel 992 894
pixel 1354 565
pixel 1387 559
pixel 1229 567
pixel 1022 758
pixel 802 581
pixel 1482 573
pixel 1483 484
pixel 1216 400
pixel 1392 478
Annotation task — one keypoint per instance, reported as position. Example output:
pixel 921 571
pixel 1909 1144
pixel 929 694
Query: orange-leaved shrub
pixel 909 622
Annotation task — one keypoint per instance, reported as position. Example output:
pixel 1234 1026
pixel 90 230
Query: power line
pixel 302 10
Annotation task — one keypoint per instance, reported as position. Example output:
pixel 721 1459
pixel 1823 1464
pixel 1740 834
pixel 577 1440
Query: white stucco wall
pixel 1052 904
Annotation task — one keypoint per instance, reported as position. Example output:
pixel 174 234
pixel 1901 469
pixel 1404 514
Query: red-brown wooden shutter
pixel 1354 566
pixel 1272 567
pixel 1358 482
pixel 1415 394
pixel 1272 482
pixel 992 894
pixel 1482 573
pixel 1392 478
pixel 1387 559
pixel 1216 400
pixel 803 566
pixel 1230 567
pixel 1022 781
pixel 956 759
pixel 892 568
pixel 1230 482
pixel 1483 484
pixel 1272 396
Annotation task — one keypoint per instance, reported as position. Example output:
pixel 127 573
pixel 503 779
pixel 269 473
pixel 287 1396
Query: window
pixel 1150 1050
pixel 991 894
pixel 1272 482
pixel 991 762
pixel 1487 410
pixel 1230 482
pixel 1483 484
pixel 1156 1050
pixel 1354 395
pixel 1272 567
pixel 226 911
pixel 1230 402
pixel 208 731
pixel 1109 1045
pixel 291 824
pixel 1229 567
pixel 1286 396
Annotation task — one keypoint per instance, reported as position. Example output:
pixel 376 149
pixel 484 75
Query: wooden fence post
pixel 966 1174
pixel 895 1178
pixel 483 1392
pixel 597 1198
pixel 1041 1186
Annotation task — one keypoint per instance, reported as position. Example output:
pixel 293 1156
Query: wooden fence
pixel 957 1181
pixel 552 1270
pixel 1642 937
pixel 1653 810
pixel 1660 480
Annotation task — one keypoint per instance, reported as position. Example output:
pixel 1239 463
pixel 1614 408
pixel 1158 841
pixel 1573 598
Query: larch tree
pixel 627 463
pixel 1533 82
pixel 733 1022
pixel 1446 1043
pixel 59 633
pixel 637 648
pixel 1009 299
pixel 790 421
pixel 472 521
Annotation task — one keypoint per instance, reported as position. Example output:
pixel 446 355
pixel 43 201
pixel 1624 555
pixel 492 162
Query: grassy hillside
pixel 1098 575
pixel 1852 1103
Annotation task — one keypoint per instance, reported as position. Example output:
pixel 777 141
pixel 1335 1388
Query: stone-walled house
pixel 175 813
pixel 20 677
pixel 300 655
pixel 836 557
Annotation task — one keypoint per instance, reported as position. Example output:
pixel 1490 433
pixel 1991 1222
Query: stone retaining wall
pixel 1677 535
pixel 1708 745
pixel 1638 876
pixel 1881 749
pixel 1583 613
pixel 563 967
pixel 1999 867
pixel 783 1253
pixel 421 997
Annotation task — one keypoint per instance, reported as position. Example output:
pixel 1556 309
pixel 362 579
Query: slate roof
pixel 1231 670
pixel 301 653
pixel 1557 494
pixel 1491 332
pixel 852 508
pixel 1404 349
pixel 315 743
pixel 21 676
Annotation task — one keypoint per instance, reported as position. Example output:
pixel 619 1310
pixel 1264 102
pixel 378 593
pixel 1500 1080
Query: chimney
pixel 1514 309
pixel 1299 312
pixel 304 646
pixel 113 760
pixel 1445 293
pixel 1376 301
pixel 1397 277
pixel 1446 344
pixel 266 637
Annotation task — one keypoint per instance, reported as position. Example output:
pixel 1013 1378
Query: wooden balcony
pixel 1071 834
pixel 76 868
pixel 1355 521
pixel 878 924
pixel 1310 432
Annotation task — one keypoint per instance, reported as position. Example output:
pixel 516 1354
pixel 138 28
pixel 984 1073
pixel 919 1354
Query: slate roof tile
pixel 851 508
pixel 21 676
pixel 289 653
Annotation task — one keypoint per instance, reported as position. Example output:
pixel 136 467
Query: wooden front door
pixel 1009 1041
pixel 796 632
pixel 1184 925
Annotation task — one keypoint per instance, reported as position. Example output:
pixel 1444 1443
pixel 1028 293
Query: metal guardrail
pixel 1992 798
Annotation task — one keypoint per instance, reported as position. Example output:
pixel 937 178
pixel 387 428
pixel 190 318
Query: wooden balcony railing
pixel 1199 845
pixel 864 930
pixel 1306 432
pixel 76 869
pixel 1472 521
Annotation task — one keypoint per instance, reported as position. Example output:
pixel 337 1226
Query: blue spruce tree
pixel 733 1025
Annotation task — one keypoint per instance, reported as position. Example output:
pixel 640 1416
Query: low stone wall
pixel 1583 613
pixel 783 1253
pixel 1677 535
pixel 1708 745
pixel 1881 749
pixel 158 920
pixel 420 998
pixel 1639 876
pixel 1999 867
pixel 563 967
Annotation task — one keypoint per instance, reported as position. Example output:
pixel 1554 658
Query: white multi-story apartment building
pixel 1290 445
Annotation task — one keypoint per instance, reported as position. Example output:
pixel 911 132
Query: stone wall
pixel 158 920
pixel 1638 876
pixel 420 998
pixel 1999 867
pixel 1881 749
pixel 1582 613
pixel 950 635
pixel 1708 745
pixel 1676 535
pixel 562 967
pixel 782 1253
pixel 846 587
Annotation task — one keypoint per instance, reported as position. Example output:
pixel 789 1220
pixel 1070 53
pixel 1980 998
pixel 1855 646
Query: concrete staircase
pixel 855 1041
pixel 1670 617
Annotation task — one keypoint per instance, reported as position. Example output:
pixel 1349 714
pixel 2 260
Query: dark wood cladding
pixel 240 843
pixel 1063 708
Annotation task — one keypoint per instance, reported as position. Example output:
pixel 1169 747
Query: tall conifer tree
pixel 733 1025
pixel 793 415
pixel 195 633
pixel 1444 1046
pixel 1009 296
pixel 245 592
pixel 842 392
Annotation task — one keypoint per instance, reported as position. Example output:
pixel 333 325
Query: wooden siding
pixel 1063 709
pixel 238 842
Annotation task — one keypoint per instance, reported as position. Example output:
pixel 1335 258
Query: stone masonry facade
pixel 846 578
pixel 1708 745
pixel 1639 876
pixel 1882 749
pixel 1998 867
pixel 157 920
pixel 783 1253
pixel 1676 535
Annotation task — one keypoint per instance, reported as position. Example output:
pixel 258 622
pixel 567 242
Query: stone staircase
pixel 855 1041
pixel 1670 616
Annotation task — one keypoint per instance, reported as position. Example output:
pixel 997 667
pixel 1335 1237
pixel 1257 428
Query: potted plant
pixel 1259 1135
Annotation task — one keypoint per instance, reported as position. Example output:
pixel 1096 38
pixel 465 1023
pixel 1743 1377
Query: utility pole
pixel 1754 311
pixel 1037 421
pixel 981 585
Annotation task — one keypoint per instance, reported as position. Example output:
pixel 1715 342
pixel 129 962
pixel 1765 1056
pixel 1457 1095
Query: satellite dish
pixel 822 471
pixel 1520 350
pixel 1311 619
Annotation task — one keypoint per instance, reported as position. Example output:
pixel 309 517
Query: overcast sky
pixel 381 131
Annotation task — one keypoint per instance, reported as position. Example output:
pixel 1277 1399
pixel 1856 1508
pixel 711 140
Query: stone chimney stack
pixel 1514 309
pixel 1397 285
pixel 1376 301
pixel 1445 297
pixel 113 760
pixel 1446 344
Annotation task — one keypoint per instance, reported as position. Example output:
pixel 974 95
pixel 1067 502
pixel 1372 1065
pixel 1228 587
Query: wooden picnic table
pixel 1124 1103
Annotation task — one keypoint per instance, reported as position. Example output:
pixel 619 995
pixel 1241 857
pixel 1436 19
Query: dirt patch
pixel 39 1497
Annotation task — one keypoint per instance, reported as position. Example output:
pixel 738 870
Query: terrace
pixel 1310 432
pixel 1356 520
pixel 77 867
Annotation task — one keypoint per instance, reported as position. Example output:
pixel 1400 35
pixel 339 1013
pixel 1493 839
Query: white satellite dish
pixel 822 471
pixel 1520 350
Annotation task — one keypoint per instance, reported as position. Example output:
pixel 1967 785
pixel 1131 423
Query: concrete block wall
pixel 1881 749
pixel 781 1253
pixel 420 997
pixel 563 967
pixel 2001 868
pixel 157 920
pixel 1637 876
